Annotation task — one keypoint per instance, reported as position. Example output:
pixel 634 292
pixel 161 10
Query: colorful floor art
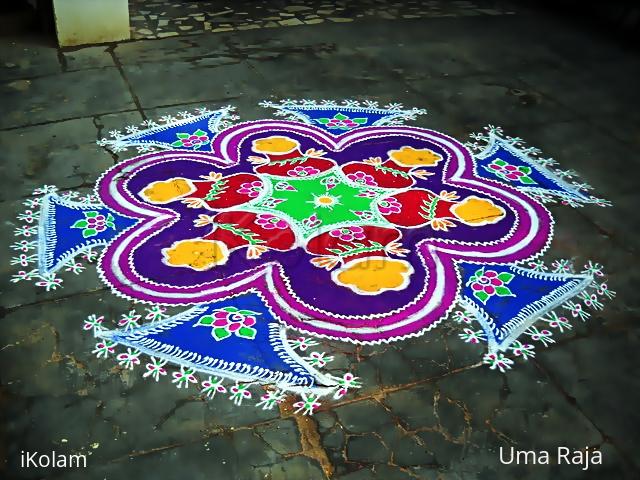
pixel 331 220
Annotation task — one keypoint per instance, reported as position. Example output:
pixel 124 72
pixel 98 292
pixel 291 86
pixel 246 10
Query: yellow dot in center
pixel 325 200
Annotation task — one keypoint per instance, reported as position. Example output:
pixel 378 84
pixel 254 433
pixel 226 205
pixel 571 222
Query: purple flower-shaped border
pixel 530 235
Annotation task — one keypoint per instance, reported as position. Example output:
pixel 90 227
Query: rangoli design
pixel 338 221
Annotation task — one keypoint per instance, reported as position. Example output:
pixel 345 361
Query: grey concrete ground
pixel 428 410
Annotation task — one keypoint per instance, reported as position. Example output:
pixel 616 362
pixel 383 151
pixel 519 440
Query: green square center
pixel 301 198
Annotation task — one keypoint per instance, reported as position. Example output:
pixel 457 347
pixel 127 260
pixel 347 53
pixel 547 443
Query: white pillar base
pixel 79 22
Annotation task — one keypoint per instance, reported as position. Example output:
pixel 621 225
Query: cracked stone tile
pixel 533 404
pixel 223 413
pixel 88 57
pixel 62 96
pixel 443 451
pixel 45 349
pixel 334 440
pixel 61 434
pixel 408 452
pixel 177 461
pixel 354 417
pixel 25 59
pixel 480 389
pixel 325 420
pixel 475 101
pixel 609 90
pixel 290 469
pixel 366 448
pixel 281 436
pixel 62 154
pixel 414 407
pixel 581 374
pixel 253 450
pixel 169 49
pixel 184 82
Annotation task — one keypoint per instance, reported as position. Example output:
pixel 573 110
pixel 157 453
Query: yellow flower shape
pixel 414 157
pixel 166 191
pixel 478 211
pixel 196 254
pixel 275 144
pixel 374 275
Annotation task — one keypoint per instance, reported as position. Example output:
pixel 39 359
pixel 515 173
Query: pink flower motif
pixel 509 171
pixel 389 205
pixel 232 321
pixel 342 124
pixel 348 234
pixel 251 189
pixel 513 173
pixel 193 140
pixel 269 222
pixel 487 282
pixel 362 178
pixel 301 171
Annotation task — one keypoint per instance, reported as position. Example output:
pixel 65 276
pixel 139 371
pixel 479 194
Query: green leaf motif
pixel 247 332
pixel 340 116
pixel 527 180
pixel 177 143
pixel 182 135
pixel 90 214
pixel 505 277
pixel 478 273
pixel 220 333
pixel 323 120
pixel 360 121
pixel 199 133
pixel 80 224
pixel 500 163
pixel 504 292
pixel 482 296
pixel 206 321
pixel 526 170
pixel 247 312
pixel 89 232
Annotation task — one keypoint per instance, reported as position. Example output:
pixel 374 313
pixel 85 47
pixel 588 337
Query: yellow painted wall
pixel 79 22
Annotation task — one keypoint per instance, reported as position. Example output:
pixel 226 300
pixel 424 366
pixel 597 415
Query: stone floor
pixel 169 18
pixel 428 409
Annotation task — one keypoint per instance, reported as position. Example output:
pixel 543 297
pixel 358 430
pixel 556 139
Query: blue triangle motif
pixel 507 299
pixel 190 339
pixel 342 117
pixel 68 228
pixel 504 162
pixel 191 133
